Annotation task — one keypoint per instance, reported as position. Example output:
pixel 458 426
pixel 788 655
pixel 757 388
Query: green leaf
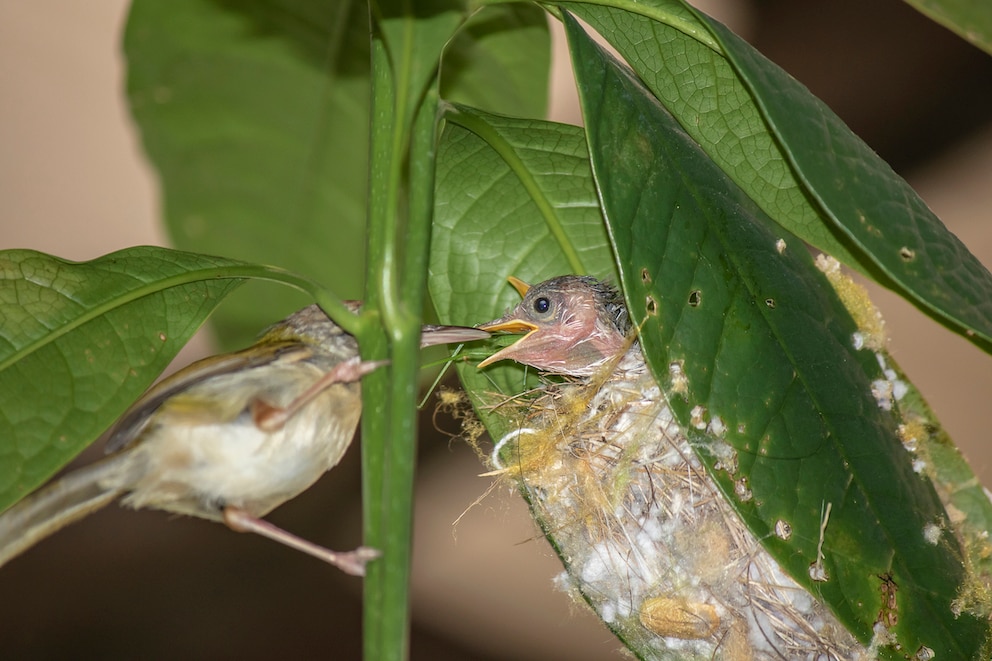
pixel 80 341
pixel 514 197
pixel 797 159
pixel 500 61
pixel 872 205
pixel 966 500
pixel 767 347
pixel 970 19
pixel 414 36
pixel 256 115
pixel 678 59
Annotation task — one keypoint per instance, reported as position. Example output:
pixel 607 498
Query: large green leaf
pixel 514 197
pixel 971 19
pixel 500 61
pixel 80 341
pixel 768 348
pixel 797 159
pixel 256 115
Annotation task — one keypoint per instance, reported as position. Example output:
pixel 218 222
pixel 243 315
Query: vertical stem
pixel 400 211
pixel 421 185
pixel 379 619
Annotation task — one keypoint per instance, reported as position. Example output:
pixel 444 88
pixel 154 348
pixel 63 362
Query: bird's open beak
pixel 508 324
pixel 504 325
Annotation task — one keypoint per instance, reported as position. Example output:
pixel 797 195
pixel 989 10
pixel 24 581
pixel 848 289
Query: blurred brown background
pixel 140 585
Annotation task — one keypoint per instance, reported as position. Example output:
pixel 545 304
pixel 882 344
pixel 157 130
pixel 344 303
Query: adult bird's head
pixel 572 325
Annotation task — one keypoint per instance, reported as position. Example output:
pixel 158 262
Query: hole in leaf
pixel 818 572
pixel 695 298
pixel 645 277
pixel 770 302
pixel 742 490
pixel 907 254
pixel 651 306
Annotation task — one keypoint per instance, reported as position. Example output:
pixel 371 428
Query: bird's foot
pixel 350 562
pixel 271 418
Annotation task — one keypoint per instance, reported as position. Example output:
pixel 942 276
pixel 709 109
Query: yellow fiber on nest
pixel 647 540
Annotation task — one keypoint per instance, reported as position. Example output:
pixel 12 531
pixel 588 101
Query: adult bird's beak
pixel 431 335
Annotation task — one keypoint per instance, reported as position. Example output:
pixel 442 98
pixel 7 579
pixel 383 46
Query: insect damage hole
pixel 645 276
pixel 907 254
pixel 695 298
pixel 770 302
pixel 888 614
pixel 651 306
pixel 680 383
pixel 699 415
pixel 742 490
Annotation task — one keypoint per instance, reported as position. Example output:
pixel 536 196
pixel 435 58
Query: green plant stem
pixel 399 238
pixel 379 622
pixel 423 150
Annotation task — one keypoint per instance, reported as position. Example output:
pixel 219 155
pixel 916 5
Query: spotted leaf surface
pixel 796 159
pixel 767 349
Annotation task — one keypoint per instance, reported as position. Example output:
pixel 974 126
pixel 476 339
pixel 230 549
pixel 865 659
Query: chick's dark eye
pixel 542 305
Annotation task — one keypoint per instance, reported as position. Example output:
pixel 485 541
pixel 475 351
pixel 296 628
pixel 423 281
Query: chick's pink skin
pixel 568 324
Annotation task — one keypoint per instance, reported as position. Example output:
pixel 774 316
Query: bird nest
pixel 646 538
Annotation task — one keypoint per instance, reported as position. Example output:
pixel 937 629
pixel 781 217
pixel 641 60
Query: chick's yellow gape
pixel 228 438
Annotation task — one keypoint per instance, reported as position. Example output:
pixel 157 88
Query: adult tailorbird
pixel 228 438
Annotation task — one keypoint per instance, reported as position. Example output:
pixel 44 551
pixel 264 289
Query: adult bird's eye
pixel 542 305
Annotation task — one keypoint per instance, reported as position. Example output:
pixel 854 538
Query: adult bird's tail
pixel 64 501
